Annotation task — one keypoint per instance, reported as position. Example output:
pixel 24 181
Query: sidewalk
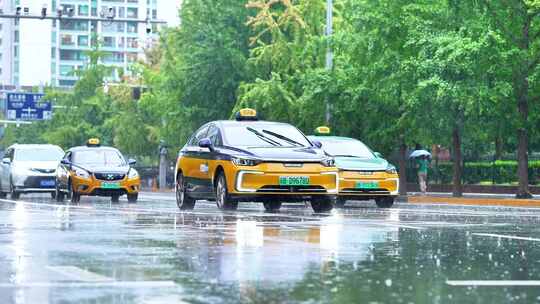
pixel 484 199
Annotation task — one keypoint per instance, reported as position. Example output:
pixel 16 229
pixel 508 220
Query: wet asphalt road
pixel 98 252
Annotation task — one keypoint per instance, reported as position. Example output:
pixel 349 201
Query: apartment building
pixel 42 52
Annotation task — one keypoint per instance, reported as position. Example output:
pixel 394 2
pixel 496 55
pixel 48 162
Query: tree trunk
pixel 523 145
pixel 498 147
pixel 457 190
pixel 402 167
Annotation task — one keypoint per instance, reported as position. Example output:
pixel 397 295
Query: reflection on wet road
pixel 98 252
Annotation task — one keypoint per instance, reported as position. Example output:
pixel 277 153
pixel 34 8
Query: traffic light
pixel 44 11
pixel 18 10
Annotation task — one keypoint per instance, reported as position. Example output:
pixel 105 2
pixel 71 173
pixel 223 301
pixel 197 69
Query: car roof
pixel 334 138
pixel 85 148
pixel 228 123
pixel 33 146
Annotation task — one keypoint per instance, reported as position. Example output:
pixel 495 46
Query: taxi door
pixel 194 165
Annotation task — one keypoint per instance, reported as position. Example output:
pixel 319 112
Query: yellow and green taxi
pixel 95 170
pixel 255 161
pixel 363 174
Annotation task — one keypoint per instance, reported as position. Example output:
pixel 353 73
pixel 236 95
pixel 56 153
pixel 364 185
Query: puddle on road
pixel 400 255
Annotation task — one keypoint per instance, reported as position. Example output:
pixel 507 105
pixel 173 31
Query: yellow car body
pixel 257 161
pixel 93 170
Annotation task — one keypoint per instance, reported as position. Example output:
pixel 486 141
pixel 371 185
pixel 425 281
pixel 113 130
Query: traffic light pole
pixel 79 18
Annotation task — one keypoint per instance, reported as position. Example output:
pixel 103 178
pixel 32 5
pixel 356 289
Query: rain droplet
pixel 388 282
pixel 490 256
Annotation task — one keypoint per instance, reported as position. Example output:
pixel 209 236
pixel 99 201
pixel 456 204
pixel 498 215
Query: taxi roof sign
pixel 246 114
pixel 93 142
pixel 322 130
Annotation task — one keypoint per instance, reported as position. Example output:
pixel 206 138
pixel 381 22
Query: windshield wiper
pixel 346 155
pixel 282 137
pixel 261 136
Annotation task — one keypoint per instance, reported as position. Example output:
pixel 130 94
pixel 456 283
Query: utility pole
pixel 162 180
pixel 329 53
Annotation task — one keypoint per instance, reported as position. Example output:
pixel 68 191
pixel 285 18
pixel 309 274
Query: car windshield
pixel 39 154
pixel 99 158
pixel 265 135
pixel 349 148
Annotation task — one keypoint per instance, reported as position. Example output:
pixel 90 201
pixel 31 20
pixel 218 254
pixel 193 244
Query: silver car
pixel 29 169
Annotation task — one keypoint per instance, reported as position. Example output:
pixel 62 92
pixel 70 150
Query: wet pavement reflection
pixel 98 252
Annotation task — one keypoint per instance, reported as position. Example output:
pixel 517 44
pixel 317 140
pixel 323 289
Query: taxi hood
pixel 286 153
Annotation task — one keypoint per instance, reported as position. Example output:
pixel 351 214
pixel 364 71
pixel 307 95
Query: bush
pixel 501 172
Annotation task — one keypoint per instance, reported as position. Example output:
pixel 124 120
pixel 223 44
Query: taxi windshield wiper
pixel 282 137
pixel 346 155
pixel 261 136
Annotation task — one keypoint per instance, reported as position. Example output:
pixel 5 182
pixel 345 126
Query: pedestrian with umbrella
pixel 422 159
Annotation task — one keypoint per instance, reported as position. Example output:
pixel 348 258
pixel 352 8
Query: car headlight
pixel 245 161
pixel 391 170
pixel 82 173
pixel 133 173
pixel 328 162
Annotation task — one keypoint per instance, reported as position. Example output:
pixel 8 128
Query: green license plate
pixel 367 185
pixel 293 180
pixel 110 185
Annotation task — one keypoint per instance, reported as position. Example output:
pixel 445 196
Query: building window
pixel 67 39
pixel 132 27
pixel 53 52
pixel 16 51
pixel 132 12
pixel 16 36
pixel 132 43
pixel 154 14
pixel 121 12
pixel 83 10
pixel 131 57
pixel 82 40
pixel 66 70
pixel 109 42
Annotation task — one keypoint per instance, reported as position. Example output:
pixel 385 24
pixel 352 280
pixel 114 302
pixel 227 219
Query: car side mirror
pixel 6 161
pixel 378 155
pixel 132 162
pixel 206 143
pixel 317 143
pixel 65 162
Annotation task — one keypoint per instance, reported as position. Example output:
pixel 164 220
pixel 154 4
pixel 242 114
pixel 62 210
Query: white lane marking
pixel 123 284
pixel 79 274
pixel 493 283
pixel 502 236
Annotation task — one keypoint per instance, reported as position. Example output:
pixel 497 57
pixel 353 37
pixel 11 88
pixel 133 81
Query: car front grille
pixel 285 189
pixel 109 176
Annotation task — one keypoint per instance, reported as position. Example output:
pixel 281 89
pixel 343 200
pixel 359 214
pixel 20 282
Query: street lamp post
pixel 329 53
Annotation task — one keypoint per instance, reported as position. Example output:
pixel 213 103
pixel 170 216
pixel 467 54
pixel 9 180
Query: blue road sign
pixel 28 106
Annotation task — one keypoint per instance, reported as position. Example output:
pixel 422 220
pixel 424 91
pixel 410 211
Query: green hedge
pixel 502 172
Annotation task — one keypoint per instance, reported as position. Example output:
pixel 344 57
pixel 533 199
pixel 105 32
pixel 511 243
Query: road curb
pixel 475 201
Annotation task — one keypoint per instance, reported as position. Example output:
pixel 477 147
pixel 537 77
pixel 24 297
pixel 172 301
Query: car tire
pixel 321 204
pixel 271 206
pixel 132 198
pixel 183 201
pixel 223 201
pixel 385 202
pixel 59 195
pixel 53 195
pixel 115 199
pixel 15 195
pixel 75 197
pixel 340 202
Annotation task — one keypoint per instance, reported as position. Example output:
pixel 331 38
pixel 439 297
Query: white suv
pixel 29 169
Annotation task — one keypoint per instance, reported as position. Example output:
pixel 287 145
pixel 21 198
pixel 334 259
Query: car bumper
pixel 388 185
pixel 34 183
pixel 94 187
pixel 266 183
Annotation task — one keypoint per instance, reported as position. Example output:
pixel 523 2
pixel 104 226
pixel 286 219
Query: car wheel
pixel 223 200
pixel 59 195
pixel 75 197
pixel 385 202
pixel 340 202
pixel 271 206
pixel 322 203
pixel 53 195
pixel 115 198
pixel 183 201
pixel 132 198
pixel 15 195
